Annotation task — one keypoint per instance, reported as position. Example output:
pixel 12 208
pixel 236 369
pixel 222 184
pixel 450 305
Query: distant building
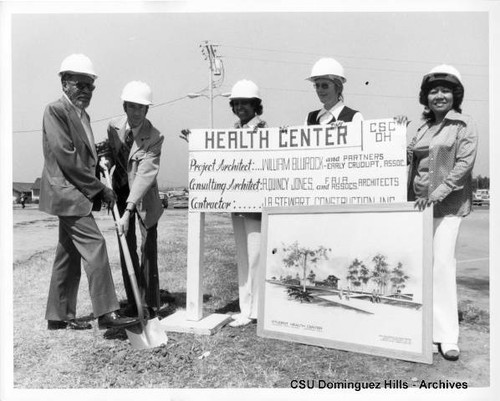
pixel 35 190
pixel 308 282
pixel 20 189
pixel 27 189
pixel 291 281
pixel 330 282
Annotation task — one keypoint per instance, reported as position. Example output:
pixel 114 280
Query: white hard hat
pixel 78 64
pixel 327 67
pixel 443 72
pixel 442 75
pixel 137 92
pixel 245 89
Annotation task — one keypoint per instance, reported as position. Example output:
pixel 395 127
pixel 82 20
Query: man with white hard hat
pixel 328 77
pixel 71 190
pixel 135 147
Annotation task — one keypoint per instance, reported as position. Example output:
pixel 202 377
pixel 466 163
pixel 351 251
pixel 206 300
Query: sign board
pixel 356 278
pixel 243 170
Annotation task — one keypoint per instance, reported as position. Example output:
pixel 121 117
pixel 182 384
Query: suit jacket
pixel 69 184
pixel 142 167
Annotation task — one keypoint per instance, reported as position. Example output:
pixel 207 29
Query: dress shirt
pixel 254 122
pixel 324 115
pixel 121 173
pixel 421 154
pixel 85 120
pixel 135 130
pixel 452 153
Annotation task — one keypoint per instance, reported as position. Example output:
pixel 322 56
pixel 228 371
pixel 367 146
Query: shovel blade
pixel 150 335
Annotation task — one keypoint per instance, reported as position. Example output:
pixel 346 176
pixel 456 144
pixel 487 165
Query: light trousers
pixel 247 237
pixel 80 239
pixel 445 304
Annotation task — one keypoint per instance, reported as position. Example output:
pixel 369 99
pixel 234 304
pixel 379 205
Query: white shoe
pixel 241 321
pixel 450 351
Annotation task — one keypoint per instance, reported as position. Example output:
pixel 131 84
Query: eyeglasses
pixel 323 85
pixel 83 85
pixel 240 102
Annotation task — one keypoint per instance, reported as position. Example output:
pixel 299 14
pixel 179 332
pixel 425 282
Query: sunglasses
pixel 83 85
pixel 323 85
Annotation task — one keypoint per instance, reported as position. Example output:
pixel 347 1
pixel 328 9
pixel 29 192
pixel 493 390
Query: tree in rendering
pixel 380 272
pixel 354 273
pixel 398 277
pixel 364 274
pixel 303 257
pixel 311 277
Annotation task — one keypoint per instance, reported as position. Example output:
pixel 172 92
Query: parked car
pixel 164 199
pixel 481 197
pixel 180 201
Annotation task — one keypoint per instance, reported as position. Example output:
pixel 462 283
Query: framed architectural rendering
pixel 356 278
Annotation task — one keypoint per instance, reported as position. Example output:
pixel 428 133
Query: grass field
pixel 231 358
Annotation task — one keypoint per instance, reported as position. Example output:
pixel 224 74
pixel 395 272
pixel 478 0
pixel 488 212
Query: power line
pixel 350 67
pixel 361 94
pixel 352 57
pixel 108 118
pixel 265 88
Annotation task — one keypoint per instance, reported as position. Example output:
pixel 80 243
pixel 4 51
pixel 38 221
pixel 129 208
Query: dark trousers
pixel 80 238
pixel 146 272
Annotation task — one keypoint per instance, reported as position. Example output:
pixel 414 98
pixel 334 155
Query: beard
pixel 77 97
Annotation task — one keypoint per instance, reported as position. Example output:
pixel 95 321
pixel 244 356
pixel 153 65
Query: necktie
pixel 121 171
pixel 129 139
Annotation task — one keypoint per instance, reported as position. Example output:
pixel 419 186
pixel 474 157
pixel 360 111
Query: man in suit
pixel 70 189
pixel 135 150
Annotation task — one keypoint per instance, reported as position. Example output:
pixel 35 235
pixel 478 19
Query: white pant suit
pixel 441 157
pixel 445 305
pixel 246 227
pixel 247 237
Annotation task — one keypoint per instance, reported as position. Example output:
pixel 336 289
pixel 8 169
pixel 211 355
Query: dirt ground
pixel 35 233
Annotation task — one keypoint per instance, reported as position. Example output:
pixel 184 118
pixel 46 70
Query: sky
pixel 384 54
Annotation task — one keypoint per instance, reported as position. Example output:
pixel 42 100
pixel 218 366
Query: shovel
pixel 148 333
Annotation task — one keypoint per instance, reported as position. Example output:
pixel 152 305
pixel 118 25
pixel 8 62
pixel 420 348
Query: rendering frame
pixel 355 278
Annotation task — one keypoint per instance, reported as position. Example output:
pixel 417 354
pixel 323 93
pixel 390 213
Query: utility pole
pixel 191 320
pixel 209 52
pixel 196 223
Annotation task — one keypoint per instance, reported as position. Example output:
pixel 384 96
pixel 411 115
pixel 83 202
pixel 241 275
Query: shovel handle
pixel 126 252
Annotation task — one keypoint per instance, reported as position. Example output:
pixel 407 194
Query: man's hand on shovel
pixel 109 196
pixel 123 223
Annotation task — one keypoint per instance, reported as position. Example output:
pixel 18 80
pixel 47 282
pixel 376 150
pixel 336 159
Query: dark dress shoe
pixel 130 311
pixel 114 320
pixel 68 324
